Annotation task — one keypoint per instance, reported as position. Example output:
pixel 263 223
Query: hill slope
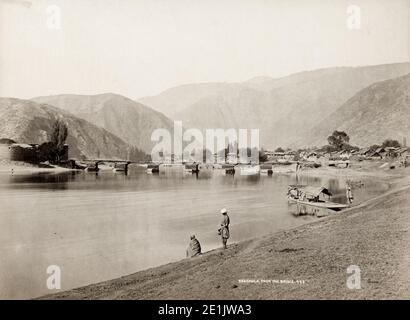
pixel 127 119
pixel 284 109
pixel 379 111
pixel 30 122
pixel 173 100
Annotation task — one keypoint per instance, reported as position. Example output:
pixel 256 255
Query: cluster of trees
pixel 262 154
pixel 388 143
pixel 53 150
pixel 340 140
pixel 137 155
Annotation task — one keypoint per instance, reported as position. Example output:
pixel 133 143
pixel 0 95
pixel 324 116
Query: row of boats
pixel 319 197
pixel 240 169
pixel 245 170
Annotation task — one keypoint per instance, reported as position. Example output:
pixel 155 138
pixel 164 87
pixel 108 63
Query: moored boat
pixel 92 168
pixel 171 168
pixel 153 170
pixel 247 170
pixel 313 196
pixel 192 167
pixel 121 167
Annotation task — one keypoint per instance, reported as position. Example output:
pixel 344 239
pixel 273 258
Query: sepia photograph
pixel 191 150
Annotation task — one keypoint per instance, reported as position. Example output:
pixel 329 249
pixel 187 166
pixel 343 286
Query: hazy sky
pixel 138 47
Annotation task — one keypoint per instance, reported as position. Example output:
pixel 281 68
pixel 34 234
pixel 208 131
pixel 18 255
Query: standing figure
pixel 224 229
pixel 349 195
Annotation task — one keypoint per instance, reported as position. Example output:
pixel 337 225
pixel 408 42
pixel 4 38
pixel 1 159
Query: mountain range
pixel 284 109
pixel 129 120
pixel 370 103
pixel 377 112
pixel 26 121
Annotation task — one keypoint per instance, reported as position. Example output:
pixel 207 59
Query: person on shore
pixel 349 195
pixel 224 229
pixel 194 248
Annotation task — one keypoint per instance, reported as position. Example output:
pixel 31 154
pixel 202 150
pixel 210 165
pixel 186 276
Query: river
pixel 97 227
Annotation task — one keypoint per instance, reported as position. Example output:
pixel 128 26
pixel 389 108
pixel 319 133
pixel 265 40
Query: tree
pixel 390 143
pixel 59 132
pixel 54 149
pixel 263 157
pixel 135 154
pixel 326 149
pixel 47 152
pixel 279 150
pixel 338 140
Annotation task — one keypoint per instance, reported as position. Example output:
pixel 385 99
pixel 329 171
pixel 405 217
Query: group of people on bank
pixel 194 248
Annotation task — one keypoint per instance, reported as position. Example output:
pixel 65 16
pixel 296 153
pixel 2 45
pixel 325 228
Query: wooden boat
pixel 247 170
pixel 171 168
pixel 93 167
pixel 192 167
pixel 206 166
pixel 266 172
pixel 153 170
pixel 322 204
pixel 121 167
pixel 80 165
pixel 313 196
pixel 284 169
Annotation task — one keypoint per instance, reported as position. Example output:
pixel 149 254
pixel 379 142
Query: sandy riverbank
pixel 363 169
pixel 374 235
pixel 17 167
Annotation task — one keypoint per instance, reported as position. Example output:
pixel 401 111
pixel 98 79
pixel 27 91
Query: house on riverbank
pixel 19 152
pixel 277 156
pixel 11 151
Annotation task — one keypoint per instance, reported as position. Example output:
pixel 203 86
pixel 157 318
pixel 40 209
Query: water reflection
pixel 303 210
pixel 105 225
pixel 41 180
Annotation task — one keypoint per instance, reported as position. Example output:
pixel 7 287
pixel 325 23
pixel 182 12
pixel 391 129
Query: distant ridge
pixel 378 112
pixel 284 109
pixel 131 121
pixel 26 121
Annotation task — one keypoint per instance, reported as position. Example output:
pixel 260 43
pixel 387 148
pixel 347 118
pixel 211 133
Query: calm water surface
pixel 98 227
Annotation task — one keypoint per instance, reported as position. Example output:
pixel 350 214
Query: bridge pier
pixel 93 167
pixel 121 167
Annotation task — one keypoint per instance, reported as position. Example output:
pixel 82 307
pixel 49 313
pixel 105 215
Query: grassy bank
pixel 374 236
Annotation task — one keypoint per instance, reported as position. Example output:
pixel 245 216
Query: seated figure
pixel 194 248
